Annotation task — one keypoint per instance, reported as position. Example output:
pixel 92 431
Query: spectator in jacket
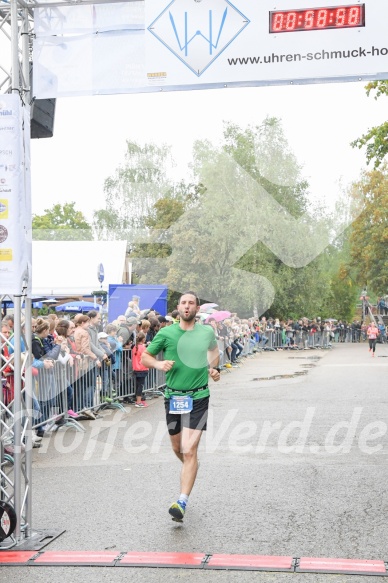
pixel 107 392
pixel 46 379
pixel 86 383
pixel 93 330
pixel 126 331
pixel 153 329
pixel 64 330
pixel 132 310
pixel 116 346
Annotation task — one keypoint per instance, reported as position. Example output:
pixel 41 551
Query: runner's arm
pixel 150 361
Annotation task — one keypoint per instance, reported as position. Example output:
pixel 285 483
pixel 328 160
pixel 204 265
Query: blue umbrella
pixel 80 306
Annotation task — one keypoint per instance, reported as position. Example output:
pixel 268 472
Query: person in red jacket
pixel 141 372
pixel 7 376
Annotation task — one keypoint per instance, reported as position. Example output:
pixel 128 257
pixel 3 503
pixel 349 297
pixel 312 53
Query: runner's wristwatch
pixel 217 368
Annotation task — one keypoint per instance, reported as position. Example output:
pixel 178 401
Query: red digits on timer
pixel 318 18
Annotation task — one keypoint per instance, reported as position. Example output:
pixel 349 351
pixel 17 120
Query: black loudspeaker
pixel 42 118
pixel 42 113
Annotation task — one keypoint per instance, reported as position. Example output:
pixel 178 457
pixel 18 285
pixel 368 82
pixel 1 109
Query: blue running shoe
pixel 177 511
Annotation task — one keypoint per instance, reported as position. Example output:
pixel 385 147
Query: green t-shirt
pixel 188 348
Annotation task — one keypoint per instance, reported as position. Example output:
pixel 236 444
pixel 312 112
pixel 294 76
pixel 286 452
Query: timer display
pixel 317 18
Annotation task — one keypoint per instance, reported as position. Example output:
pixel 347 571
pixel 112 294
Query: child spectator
pixel 141 372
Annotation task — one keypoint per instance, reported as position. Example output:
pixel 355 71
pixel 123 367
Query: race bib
pixel 181 404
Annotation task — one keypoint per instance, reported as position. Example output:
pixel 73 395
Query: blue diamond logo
pixel 197 34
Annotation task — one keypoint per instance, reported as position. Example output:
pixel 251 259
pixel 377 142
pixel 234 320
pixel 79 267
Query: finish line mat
pixel 205 561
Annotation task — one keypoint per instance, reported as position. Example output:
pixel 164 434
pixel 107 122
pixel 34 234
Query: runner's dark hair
pixel 192 293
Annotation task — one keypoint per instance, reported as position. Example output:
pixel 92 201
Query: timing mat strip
pixel 205 561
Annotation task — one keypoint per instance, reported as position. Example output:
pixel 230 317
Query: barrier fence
pixel 83 388
pixel 63 393
pixel 301 339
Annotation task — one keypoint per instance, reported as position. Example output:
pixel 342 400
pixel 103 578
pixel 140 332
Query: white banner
pixel 15 197
pixel 196 44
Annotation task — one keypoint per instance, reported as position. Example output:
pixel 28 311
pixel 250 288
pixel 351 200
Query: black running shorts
pixel 196 419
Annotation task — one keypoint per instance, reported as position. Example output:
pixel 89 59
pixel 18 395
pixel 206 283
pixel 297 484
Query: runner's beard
pixel 188 317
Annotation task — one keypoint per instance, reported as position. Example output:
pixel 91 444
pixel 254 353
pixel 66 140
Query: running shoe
pixel 141 405
pixel 106 400
pixel 72 413
pixel 177 511
pixel 89 414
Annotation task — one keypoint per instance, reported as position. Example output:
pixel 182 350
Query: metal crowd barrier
pixel 295 339
pixel 64 390
pixel 248 348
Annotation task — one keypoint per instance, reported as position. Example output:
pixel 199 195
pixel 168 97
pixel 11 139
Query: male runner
pixel 191 354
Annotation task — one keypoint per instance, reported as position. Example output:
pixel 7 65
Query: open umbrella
pixel 80 306
pixel 203 315
pixel 219 316
pixel 206 307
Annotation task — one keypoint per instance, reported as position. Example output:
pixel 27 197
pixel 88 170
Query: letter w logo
pixel 188 39
pixel 195 34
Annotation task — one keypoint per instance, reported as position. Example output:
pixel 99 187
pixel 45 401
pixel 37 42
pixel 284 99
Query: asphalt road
pixel 293 463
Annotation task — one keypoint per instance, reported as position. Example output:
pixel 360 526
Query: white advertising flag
pixel 15 206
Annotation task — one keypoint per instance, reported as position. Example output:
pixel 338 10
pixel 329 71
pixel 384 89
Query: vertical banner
pixel 15 197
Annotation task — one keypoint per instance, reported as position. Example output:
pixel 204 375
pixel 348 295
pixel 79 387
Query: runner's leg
pixel 190 439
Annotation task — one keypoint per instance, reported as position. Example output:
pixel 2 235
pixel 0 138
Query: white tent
pixel 70 268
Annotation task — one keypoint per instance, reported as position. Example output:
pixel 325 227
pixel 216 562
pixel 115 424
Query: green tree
pixel 263 151
pixel 215 247
pixel 376 139
pixel 369 236
pixel 133 190
pixel 61 223
pixel 149 254
pixel 341 299
pixel 208 235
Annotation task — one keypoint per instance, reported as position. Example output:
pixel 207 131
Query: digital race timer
pixel 317 18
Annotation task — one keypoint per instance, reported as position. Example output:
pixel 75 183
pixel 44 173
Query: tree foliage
pixel 369 237
pixel 133 190
pixel 263 151
pixel 216 246
pixel 61 223
pixel 213 235
pixel 376 139
pixel 150 251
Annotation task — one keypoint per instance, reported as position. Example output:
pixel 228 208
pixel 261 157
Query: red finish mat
pixel 355 566
pixel 191 560
pixel 15 557
pixel 250 562
pixel 99 558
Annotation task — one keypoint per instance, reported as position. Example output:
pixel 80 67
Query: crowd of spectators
pixel 382 305
pixel 95 354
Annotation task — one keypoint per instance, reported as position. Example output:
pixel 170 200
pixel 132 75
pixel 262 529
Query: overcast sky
pixel 90 134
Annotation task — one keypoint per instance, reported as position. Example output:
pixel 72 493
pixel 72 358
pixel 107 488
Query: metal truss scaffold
pixel 16 64
pixel 15 421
